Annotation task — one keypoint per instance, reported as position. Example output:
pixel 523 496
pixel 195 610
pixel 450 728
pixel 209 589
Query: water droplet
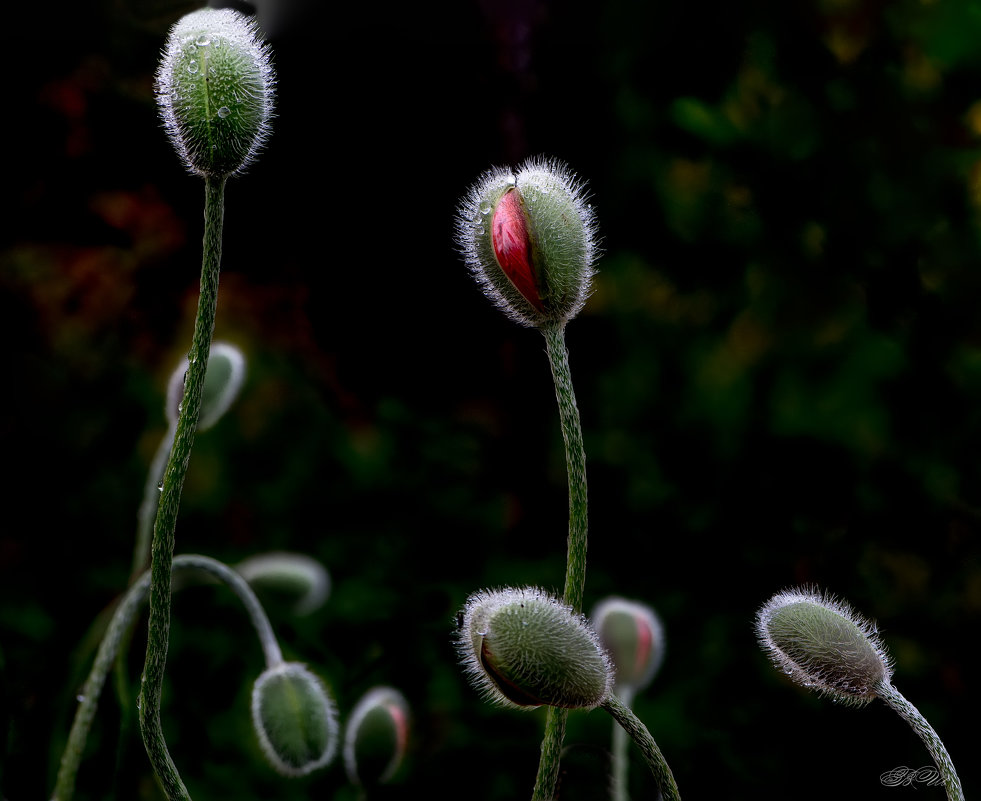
pixel 192 67
pixel 479 229
pixel 485 209
pixel 180 407
pixel 224 111
pixel 160 486
pixel 203 40
pixel 80 698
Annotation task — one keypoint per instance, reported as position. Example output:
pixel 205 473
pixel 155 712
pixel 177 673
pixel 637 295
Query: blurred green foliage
pixel 779 375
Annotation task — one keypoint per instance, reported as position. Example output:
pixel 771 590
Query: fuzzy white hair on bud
pixel 823 644
pixel 295 719
pixel 215 90
pixel 529 237
pixel 523 648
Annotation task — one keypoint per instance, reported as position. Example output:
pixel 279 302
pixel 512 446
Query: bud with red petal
pixel 377 737
pixel 633 635
pixel 529 237
pixel 523 648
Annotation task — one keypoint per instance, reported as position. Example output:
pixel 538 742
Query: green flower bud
pixel 376 737
pixel 222 384
pixel 215 88
pixel 823 644
pixel 523 648
pixel 301 578
pixel 529 238
pixel 633 635
pixel 294 718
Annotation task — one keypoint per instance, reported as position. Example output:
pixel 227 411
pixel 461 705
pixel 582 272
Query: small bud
pixel 823 644
pixel 215 88
pixel 297 576
pixel 376 737
pixel 529 236
pixel 222 384
pixel 633 635
pixel 523 648
pixel 294 718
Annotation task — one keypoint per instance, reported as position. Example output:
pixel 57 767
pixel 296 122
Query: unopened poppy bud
pixel 295 576
pixel 376 737
pixel 222 384
pixel 529 237
pixel 633 636
pixel 215 87
pixel 294 718
pixel 823 644
pixel 524 648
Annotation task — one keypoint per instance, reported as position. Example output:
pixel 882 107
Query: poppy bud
pixel 300 578
pixel 633 635
pixel 523 648
pixel 215 87
pixel 823 644
pixel 529 236
pixel 376 736
pixel 294 718
pixel 222 384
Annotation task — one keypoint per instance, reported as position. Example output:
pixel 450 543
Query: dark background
pixel 779 376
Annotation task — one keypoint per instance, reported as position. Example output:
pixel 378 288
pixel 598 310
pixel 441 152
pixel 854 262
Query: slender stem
pixel 930 738
pixel 162 550
pixel 575 457
pixel 148 507
pixel 116 634
pixel 575 575
pixel 548 765
pixel 623 715
pixel 619 783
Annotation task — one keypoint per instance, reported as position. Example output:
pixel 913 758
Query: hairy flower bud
pixel 296 576
pixel 294 718
pixel 524 648
pixel 633 635
pixel 529 238
pixel 215 88
pixel 222 384
pixel 376 736
pixel 823 644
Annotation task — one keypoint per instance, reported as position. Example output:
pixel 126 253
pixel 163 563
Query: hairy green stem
pixel 575 575
pixel 148 507
pixel 548 765
pixel 930 738
pixel 638 732
pixel 162 549
pixel 116 634
pixel 575 458
pixel 619 781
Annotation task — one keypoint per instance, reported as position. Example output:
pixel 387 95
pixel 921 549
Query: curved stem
pixel 619 782
pixel 162 550
pixel 623 715
pixel 117 633
pixel 930 738
pixel 575 575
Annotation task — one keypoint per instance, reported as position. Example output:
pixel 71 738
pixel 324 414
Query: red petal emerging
pixel 645 641
pixel 512 247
